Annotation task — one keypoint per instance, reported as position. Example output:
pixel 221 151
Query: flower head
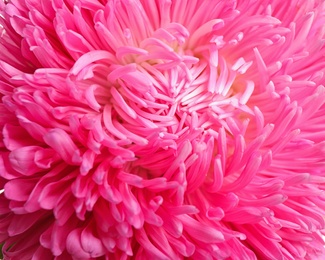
pixel 164 129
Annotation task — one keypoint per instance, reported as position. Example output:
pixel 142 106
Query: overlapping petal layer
pixel 166 129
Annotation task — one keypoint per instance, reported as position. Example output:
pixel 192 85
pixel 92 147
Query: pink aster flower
pixel 166 129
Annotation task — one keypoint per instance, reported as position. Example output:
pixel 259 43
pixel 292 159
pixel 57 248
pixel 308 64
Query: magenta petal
pixel 15 137
pixel 63 211
pixel 201 232
pixel 60 141
pixel 23 160
pixel 21 223
pixel 51 193
pixel 42 253
pixel 91 244
pixel 74 246
pixel 144 241
pixel 19 190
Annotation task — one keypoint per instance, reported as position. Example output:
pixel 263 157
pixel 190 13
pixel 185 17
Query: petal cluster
pixel 166 129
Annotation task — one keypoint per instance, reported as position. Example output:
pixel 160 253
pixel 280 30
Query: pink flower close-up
pixel 162 129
